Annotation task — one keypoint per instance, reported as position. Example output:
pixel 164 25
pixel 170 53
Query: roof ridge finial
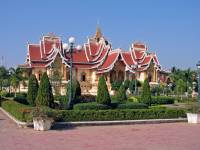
pixel 98 33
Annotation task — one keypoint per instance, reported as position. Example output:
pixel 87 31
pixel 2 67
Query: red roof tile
pixel 34 52
pixel 111 58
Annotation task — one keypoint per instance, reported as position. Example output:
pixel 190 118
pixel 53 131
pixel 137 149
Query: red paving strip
pixel 170 136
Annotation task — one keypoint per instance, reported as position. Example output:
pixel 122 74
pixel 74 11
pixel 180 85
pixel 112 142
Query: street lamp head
pixel 71 40
pixel 79 47
pixel 65 46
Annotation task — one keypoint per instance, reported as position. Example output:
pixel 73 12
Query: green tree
pixel 76 90
pixel 56 76
pixel 45 95
pixel 115 85
pixel 3 76
pixel 121 94
pixel 180 87
pixel 126 84
pixel 16 76
pixel 103 96
pixel 32 90
pixel 146 93
pixel 132 85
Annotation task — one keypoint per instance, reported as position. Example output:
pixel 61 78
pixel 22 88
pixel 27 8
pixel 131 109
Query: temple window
pixel 83 76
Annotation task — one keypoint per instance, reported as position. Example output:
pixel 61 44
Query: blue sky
pixel 171 28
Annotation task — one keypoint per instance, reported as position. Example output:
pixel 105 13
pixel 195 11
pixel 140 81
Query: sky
pixel 170 28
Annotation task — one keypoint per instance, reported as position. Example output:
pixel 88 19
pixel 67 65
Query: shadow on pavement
pixel 62 127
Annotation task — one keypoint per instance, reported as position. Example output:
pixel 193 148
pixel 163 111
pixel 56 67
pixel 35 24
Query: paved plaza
pixel 169 136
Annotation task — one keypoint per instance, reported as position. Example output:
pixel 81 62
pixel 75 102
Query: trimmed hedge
pixel 91 106
pixel 159 100
pixel 120 114
pixel 19 111
pixel 132 106
pixel 22 112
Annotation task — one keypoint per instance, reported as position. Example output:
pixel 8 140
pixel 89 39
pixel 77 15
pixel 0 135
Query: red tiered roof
pixel 93 55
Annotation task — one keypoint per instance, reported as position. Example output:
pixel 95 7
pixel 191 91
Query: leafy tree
pixel 132 85
pixel 16 76
pixel 32 90
pixel 3 76
pixel 146 93
pixel 103 96
pixel 56 76
pixel 121 94
pixel 180 87
pixel 45 95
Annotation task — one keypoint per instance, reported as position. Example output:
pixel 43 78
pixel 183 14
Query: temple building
pixel 95 58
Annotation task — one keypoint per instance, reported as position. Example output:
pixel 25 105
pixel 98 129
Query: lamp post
pixel 70 47
pixel 198 72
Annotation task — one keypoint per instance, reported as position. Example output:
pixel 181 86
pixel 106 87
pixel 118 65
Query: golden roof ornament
pixel 98 33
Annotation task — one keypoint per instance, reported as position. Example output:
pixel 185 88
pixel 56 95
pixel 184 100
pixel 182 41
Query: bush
pixel 132 106
pixel 126 84
pixel 10 95
pixel 120 114
pixel 76 91
pixel 156 90
pixel 133 99
pixel 23 113
pixel 91 106
pixel 159 100
pixel 87 98
pixel 103 96
pixel 121 94
pixel 22 94
pixel 146 93
pixel 63 100
pixel 132 85
pixel 162 100
pixel 21 99
pixel 19 111
pixel 32 90
pixel 45 95
pixel 115 85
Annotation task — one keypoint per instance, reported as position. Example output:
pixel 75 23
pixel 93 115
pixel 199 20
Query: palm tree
pixel 16 76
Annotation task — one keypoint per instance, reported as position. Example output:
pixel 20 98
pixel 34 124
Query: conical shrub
pixel 32 90
pixel 103 96
pixel 45 95
pixel 146 93
pixel 121 94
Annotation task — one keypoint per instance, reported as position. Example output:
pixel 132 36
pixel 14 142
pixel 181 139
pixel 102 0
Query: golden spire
pixel 98 33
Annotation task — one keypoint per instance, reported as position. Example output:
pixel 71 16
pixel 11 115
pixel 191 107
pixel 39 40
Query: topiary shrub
pixel 146 93
pixel 32 90
pixel 121 94
pixel 103 96
pixel 45 95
